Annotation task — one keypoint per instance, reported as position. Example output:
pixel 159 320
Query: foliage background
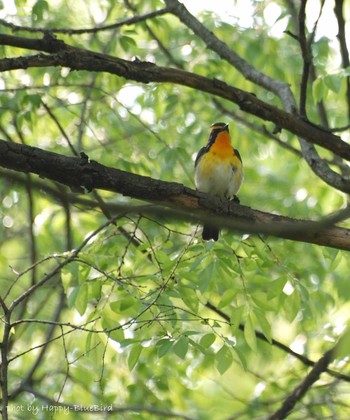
pixel 135 319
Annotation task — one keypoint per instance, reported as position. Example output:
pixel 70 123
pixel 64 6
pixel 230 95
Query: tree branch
pixel 80 173
pixel 298 393
pixel 306 54
pixel 128 21
pixel 338 9
pixel 64 55
pixel 228 54
pixel 4 347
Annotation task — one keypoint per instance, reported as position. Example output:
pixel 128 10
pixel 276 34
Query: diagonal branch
pixel 298 393
pixel 228 54
pixel 80 173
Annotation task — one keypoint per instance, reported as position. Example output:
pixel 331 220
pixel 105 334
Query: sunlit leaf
pixel 236 318
pixel 249 333
pixel 342 350
pixel 180 348
pixel 163 346
pixel 134 356
pixel 224 359
pixel 333 82
pixel 207 340
pixel 38 10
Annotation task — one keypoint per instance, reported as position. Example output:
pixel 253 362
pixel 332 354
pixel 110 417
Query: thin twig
pixel 129 21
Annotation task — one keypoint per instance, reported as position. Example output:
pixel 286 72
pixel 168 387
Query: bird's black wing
pixel 237 154
pixel 202 151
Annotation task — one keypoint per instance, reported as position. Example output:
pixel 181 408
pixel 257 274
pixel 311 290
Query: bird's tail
pixel 210 232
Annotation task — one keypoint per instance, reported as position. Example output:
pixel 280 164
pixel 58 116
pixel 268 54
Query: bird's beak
pixel 226 127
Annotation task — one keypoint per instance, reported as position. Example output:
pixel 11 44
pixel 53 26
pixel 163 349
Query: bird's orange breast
pixel 222 145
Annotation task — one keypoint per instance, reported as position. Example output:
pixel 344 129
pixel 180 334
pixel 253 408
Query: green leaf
pixel 318 90
pixel 190 298
pixel 249 333
pixel 38 10
pixel 335 259
pixel 81 300
pixel 72 296
pixel 333 82
pixel 33 99
pixel 207 340
pixel 227 298
pixel 108 323
pixel 134 355
pixel 197 262
pixel 276 287
pixel 181 347
pixel 93 347
pixel 84 271
pixel 224 359
pixel 264 324
pixel 69 276
pixel 263 302
pixel 292 305
pixel 205 277
pixel 122 305
pixel 95 288
pixel 236 318
pixel 241 357
pixel 163 346
pixel 342 349
pixel 127 43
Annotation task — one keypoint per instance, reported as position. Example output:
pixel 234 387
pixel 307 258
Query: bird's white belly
pixel 221 179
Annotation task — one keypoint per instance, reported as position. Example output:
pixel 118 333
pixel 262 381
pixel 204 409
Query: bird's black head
pixel 215 129
pixel 219 126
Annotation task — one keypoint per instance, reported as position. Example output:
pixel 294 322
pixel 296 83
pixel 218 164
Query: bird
pixel 218 170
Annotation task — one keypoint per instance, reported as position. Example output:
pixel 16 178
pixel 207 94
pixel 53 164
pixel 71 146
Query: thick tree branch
pixel 79 173
pixel 79 59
